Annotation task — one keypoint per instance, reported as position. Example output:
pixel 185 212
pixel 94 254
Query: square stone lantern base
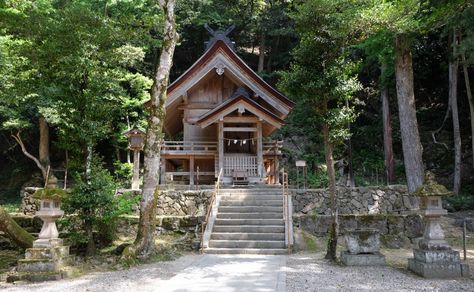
pixel 363 259
pixel 438 264
pixel 42 264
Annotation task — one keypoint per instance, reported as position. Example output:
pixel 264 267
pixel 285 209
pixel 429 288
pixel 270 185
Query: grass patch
pixel 10 200
pixel 310 241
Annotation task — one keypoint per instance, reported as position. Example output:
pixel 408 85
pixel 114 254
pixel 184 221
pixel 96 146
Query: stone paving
pixel 299 272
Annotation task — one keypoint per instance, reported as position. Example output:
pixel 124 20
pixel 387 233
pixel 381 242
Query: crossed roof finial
pixel 219 35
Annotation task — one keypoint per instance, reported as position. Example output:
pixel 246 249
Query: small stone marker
pixel 363 248
pixel 434 258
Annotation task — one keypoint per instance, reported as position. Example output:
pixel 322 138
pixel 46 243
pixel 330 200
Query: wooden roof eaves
pixel 229 103
pixel 239 62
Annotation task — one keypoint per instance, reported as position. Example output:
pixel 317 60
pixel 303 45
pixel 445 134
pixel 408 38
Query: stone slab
pixel 436 256
pixel 375 259
pixel 438 270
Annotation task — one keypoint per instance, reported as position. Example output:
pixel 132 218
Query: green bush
pixel 123 173
pixel 318 179
pixel 464 200
pixel 94 208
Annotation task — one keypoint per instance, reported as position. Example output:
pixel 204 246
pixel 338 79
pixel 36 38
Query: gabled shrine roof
pixel 220 56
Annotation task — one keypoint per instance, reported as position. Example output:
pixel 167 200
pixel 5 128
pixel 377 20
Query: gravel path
pixel 299 272
pixel 310 272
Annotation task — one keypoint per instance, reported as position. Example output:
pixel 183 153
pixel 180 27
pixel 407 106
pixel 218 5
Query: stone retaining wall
pixel 396 230
pixel 359 200
pixel 29 205
pixel 184 203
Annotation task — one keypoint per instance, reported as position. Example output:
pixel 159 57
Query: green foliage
pixel 318 179
pixel 123 173
pixel 92 204
pixel 47 193
pixel 464 200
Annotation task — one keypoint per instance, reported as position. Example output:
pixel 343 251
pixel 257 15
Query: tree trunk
pixel 12 230
pixel 261 55
pixel 387 131
pixel 471 102
pixel 19 141
pixel 412 149
pixel 453 85
pixel 351 178
pixel 144 242
pixel 44 142
pixel 90 249
pixel 333 231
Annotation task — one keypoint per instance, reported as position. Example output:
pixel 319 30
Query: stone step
pixel 267 251
pixel 251 194
pixel 261 215
pixel 247 236
pixel 252 203
pixel 47 253
pixel 251 197
pixel 38 265
pixel 260 222
pixel 35 277
pixel 249 228
pixel 250 209
pixel 249 190
pixel 247 243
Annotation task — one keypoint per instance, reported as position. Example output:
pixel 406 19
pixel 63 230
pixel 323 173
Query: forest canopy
pixel 75 75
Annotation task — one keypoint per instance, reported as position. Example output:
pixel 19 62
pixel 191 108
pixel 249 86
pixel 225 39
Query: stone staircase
pixel 249 221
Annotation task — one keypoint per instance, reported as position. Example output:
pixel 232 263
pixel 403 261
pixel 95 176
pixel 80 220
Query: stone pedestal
pixel 438 264
pixel 434 258
pixel 363 248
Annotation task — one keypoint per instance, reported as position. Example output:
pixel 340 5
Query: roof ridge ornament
pixel 219 35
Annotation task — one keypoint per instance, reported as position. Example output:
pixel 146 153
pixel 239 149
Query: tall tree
pixel 387 128
pixel 144 242
pixel 453 97
pixel 322 77
pixel 412 149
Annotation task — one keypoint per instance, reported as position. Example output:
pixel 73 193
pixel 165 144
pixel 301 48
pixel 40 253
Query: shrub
pixel 94 208
pixel 123 173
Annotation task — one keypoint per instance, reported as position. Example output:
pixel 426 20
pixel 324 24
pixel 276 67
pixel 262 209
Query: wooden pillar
pixel 277 169
pixel 163 170
pixel 191 170
pixel 276 165
pixel 221 145
pixel 259 150
pixel 136 170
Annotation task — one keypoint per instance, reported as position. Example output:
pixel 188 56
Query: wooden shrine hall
pixel 225 114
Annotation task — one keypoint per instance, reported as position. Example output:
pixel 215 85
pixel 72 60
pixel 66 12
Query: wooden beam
pixel 240 129
pixel 220 136
pixel 163 170
pixel 191 170
pixel 240 119
pixel 259 150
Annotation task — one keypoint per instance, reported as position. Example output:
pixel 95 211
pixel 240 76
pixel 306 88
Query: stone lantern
pixel 49 212
pixel 136 142
pixel 434 257
pixel 47 259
